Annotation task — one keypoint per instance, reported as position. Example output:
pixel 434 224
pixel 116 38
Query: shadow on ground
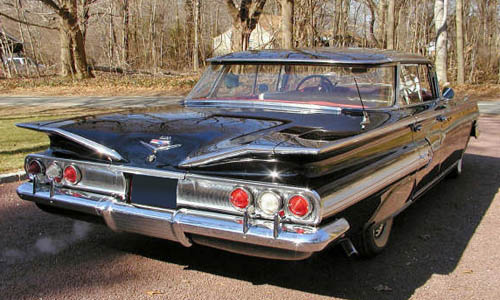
pixel 428 238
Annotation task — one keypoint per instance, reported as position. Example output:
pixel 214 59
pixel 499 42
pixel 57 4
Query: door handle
pixel 441 118
pixel 416 127
pixel 442 106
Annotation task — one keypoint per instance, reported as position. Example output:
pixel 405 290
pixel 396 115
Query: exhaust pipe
pixel 348 247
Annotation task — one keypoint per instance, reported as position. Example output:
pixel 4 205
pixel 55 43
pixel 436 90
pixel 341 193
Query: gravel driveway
pixel 445 246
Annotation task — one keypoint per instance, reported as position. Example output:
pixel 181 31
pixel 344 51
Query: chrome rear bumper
pixel 186 225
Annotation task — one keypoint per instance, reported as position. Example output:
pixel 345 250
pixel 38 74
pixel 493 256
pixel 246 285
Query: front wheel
pixel 457 170
pixel 374 239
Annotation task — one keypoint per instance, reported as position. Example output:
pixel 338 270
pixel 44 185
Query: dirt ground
pixel 443 247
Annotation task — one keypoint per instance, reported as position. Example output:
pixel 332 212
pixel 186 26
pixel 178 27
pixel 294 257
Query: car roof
pixel 356 56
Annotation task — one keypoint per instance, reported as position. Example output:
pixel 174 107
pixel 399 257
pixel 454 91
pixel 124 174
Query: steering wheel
pixel 325 84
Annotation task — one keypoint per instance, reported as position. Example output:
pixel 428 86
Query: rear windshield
pixel 305 84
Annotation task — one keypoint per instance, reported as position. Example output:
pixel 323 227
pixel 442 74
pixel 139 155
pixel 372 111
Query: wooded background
pixel 73 37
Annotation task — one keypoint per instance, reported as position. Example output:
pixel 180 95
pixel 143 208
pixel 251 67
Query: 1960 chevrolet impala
pixel 276 154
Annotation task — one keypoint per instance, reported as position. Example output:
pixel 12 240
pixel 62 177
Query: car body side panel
pixel 456 127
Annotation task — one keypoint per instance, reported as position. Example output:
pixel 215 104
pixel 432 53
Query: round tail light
pixel 54 173
pixel 269 202
pixel 72 174
pixel 240 198
pixel 299 206
pixel 34 168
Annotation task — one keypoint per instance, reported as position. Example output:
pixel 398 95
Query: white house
pixel 264 36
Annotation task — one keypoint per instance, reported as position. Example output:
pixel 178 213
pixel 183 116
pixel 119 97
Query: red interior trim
pixel 321 103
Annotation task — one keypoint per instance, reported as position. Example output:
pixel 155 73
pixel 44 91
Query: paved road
pixel 489 107
pixel 443 247
pixel 492 107
pixel 95 102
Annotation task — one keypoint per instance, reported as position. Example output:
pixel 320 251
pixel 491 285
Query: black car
pixel 275 153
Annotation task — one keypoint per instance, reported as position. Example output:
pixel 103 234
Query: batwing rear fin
pixel 111 154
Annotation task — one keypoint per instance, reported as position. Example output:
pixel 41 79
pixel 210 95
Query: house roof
pixel 360 56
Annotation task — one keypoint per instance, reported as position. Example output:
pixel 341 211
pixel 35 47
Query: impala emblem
pixel 163 143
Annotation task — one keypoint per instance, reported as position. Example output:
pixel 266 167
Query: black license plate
pixel 153 191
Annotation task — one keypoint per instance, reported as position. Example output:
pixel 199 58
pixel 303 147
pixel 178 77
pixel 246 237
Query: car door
pixel 456 129
pixel 419 97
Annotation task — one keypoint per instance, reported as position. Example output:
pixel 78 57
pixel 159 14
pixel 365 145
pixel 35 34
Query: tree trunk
pixel 73 56
pixel 196 31
pixel 245 19
pixel 125 32
pixel 381 15
pixel 440 16
pixel 460 43
pixel 390 24
pixel 188 28
pixel 287 23
pixel 67 64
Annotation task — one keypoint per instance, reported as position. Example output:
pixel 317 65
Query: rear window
pixel 305 84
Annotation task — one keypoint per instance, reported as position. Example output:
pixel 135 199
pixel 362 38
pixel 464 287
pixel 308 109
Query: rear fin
pixel 111 154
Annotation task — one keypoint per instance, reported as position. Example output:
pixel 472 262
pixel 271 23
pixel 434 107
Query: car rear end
pixel 254 218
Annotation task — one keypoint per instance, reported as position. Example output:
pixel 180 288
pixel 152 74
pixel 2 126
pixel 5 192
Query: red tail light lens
pixel 240 198
pixel 72 174
pixel 299 206
pixel 34 167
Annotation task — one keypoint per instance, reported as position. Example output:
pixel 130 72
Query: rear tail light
pixel 33 168
pixel 269 202
pixel 54 173
pixel 299 206
pixel 72 174
pixel 240 198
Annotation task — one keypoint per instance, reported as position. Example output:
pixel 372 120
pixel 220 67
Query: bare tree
pixel 390 24
pixel 460 42
pixel 125 31
pixel 196 46
pixel 245 18
pixel 287 23
pixel 440 17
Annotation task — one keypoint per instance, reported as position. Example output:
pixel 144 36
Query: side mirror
pixel 448 93
pixel 263 88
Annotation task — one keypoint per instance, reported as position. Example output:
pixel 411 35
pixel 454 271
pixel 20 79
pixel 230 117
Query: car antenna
pixel 366 119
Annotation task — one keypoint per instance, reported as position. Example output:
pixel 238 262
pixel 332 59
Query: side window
pixel 414 84
pixel 425 85
pixel 409 85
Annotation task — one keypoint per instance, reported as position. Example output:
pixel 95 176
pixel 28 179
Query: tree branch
pixel 52 5
pixel 27 23
pixel 233 10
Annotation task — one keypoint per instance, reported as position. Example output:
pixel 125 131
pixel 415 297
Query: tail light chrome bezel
pixel 250 198
pixel 56 178
pixel 78 174
pixel 309 205
pixel 27 164
pixel 273 193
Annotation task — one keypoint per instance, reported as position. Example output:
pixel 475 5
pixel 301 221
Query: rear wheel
pixel 374 239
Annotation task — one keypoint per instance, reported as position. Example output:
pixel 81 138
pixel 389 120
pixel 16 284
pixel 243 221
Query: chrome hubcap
pixel 379 230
